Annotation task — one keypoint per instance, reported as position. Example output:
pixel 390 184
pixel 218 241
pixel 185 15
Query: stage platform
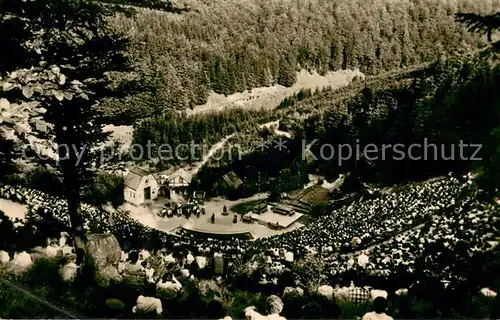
pixel 218 234
pixel 223 225
pixel 270 217
pixel 213 233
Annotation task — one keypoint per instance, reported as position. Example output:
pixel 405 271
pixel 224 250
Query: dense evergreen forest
pixel 173 129
pixel 451 102
pixel 232 46
pixel 293 112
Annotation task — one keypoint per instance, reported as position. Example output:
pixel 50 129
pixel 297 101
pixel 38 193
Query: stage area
pixel 270 217
pixel 223 224
pixel 222 234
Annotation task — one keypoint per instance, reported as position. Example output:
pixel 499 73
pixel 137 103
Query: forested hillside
pixel 203 130
pixel 294 114
pixel 452 102
pixel 231 46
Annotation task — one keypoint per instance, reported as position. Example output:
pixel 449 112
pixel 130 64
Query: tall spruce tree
pixel 481 24
pixel 488 24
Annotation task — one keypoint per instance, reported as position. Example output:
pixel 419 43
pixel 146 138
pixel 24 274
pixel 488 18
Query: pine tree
pixel 287 74
pixel 7 156
pixel 480 24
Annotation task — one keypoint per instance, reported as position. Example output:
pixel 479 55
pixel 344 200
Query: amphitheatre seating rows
pixel 371 221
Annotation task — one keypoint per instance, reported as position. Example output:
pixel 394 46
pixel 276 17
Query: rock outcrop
pixel 104 254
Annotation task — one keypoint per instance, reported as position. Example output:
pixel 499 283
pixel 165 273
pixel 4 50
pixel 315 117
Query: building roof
pixel 134 178
pixel 181 173
pixel 163 176
pixel 232 180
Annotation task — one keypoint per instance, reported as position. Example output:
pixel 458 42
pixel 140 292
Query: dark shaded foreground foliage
pixel 86 298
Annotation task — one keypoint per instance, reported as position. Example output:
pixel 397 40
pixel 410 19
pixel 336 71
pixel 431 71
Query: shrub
pixel 106 188
pixel 312 310
pixel 13 305
pixel 351 310
pixel 45 180
pixel 7 231
pixel 240 300
pixel 292 306
pixel 43 282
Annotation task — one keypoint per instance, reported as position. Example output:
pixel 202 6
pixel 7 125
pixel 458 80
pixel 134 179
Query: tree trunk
pixel 77 223
pixel 72 179
pixel 71 141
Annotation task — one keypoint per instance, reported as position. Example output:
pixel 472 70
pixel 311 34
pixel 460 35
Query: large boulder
pixel 104 254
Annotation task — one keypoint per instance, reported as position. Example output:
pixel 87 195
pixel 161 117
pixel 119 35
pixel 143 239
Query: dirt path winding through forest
pixel 216 147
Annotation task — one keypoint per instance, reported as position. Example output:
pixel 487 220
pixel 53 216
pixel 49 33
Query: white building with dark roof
pixel 180 178
pixel 173 181
pixel 140 186
pixel 178 182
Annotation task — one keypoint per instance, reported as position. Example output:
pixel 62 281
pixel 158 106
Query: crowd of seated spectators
pixel 411 228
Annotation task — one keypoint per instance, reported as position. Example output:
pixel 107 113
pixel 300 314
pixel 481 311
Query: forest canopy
pixel 232 46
